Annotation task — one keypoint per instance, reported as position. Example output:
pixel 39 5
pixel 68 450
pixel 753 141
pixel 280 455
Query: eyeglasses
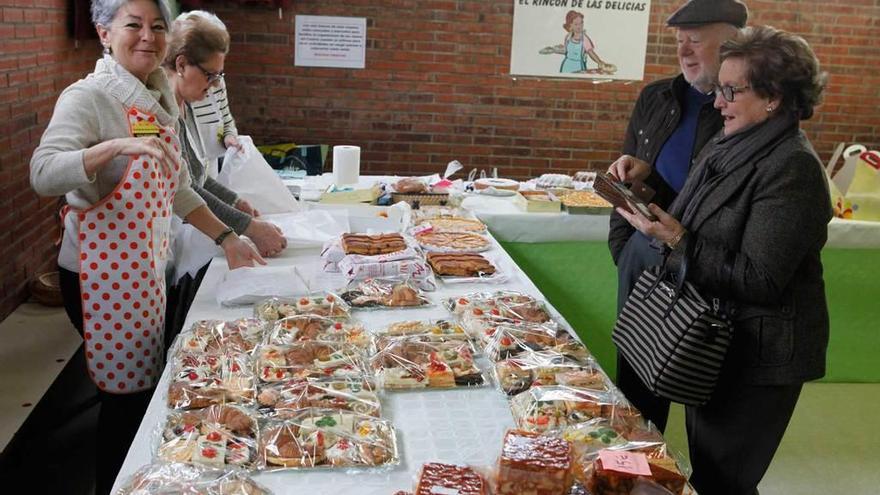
pixel 729 92
pixel 212 77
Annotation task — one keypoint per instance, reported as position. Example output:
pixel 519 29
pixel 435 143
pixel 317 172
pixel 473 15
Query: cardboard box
pixel 538 202
pixel 351 195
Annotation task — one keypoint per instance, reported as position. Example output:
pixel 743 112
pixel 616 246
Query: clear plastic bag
pixel 425 331
pixel 436 478
pixel 410 363
pixel 214 336
pixel 283 399
pixel 328 305
pixel 450 223
pixel 532 463
pixel 622 433
pixel 312 361
pixel 506 341
pixel 186 479
pixel 665 479
pixel 385 293
pixel 202 379
pixel 217 437
pixel 506 304
pixel 528 369
pixel 453 242
pixel 303 328
pixel 327 438
pixel 556 407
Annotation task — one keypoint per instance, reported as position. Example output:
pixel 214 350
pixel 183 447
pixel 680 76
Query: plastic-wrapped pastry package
pixel 507 304
pixel 328 305
pixel 185 479
pixel 534 464
pixel 622 433
pixel 438 478
pixel 213 336
pixel 311 361
pixel 306 328
pixel 421 331
pixel 216 437
pixel 384 293
pixel 506 341
pixel 528 369
pixel 555 407
pixel 410 363
pixel 202 379
pixel 327 438
pixel 283 399
pixel 661 478
pixel 450 223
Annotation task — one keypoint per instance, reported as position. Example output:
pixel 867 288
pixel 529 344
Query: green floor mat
pixel 580 280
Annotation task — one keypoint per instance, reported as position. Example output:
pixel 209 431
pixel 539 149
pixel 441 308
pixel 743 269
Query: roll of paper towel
pixel 346 165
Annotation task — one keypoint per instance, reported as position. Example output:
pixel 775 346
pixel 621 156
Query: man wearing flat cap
pixel 672 120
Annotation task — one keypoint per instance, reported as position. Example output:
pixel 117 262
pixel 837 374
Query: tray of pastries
pixel 178 478
pixel 283 399
pixel 302 328
pixel 311 361
pixel 438 478
pixel 460 265
pixel 384 293
pixel 202 379
pixel 631 434
pixel 556 407
pixel 665 478
pixel 453 242
pixel 214 336
pixel 506 341
pixel 423 331
pixel 329 305
pixel 410 363
pixel 314 438
pixel 585 202
pixel 520 373
pixel 217 437
pixel 506 304
pixel 451 224
pixel 372 245
pixel 532 463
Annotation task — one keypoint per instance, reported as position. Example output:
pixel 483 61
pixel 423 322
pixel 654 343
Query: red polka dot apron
pixel 124 241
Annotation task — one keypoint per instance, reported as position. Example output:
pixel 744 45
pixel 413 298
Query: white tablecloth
pixel 463 426
pixel 510 224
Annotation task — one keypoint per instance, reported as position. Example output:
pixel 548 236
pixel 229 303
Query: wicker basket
pixel 46 289
pixel 421 199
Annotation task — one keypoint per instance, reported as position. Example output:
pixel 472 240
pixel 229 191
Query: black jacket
pixel 757 239
pixel 654 118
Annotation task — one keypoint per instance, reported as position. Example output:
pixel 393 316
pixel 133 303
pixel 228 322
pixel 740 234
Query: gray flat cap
pixel 700 12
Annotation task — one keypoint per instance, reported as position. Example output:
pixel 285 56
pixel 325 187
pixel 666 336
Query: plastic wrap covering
pixel 622 433
pixel 437 479
pixel 451 223
pixel 185 479
pixel 528 369
pixel 664 479
pixel 424 331
pixel 311 328
pixel 202 379
pixel 507 304
pixel 328 305
pixel 453 242
pixel 533 464
pixel 385 293
pixel 214 336
pixel 555 407
pixel 311 361
pixel 506 341
pixel 217 437
pixel 282 399
pixel 327 437
pixel 409 363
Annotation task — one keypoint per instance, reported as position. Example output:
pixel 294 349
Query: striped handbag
pixel 673 338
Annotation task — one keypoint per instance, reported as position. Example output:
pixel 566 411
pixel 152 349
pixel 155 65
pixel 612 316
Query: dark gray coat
pixel 767 221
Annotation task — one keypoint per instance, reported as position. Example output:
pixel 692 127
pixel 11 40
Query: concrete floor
pixel 830 447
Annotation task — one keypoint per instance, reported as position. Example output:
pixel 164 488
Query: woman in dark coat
pixel 755 213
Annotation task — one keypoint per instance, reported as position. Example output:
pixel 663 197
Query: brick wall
pixel 435 88
pixel 38 58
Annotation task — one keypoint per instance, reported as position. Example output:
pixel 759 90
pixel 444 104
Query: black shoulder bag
pixel 674 339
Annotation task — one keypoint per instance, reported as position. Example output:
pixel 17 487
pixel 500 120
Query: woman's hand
pixel 239 253
pixel 267 237
pixel 100 155
pixel 231 141
pixel 629 169
pixel 666 228
pixel 244 205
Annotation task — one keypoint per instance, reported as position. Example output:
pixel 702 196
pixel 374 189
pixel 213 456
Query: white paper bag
pixel 248 174
pixel 310 228
pixel 248 285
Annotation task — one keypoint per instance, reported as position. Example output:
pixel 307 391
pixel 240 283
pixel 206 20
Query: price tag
pixel 625 462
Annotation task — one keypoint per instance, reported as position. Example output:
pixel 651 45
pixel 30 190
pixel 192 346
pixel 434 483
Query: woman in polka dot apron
pixel 112 150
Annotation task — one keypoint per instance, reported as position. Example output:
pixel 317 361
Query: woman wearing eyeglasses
pixel 755 211
pixel 194 66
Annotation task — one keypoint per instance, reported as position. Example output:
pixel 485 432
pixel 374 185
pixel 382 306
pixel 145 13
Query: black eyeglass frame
pixel 212 77
pixel 729 92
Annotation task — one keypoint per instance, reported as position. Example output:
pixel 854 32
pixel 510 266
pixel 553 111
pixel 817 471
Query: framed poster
pixel 591 39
